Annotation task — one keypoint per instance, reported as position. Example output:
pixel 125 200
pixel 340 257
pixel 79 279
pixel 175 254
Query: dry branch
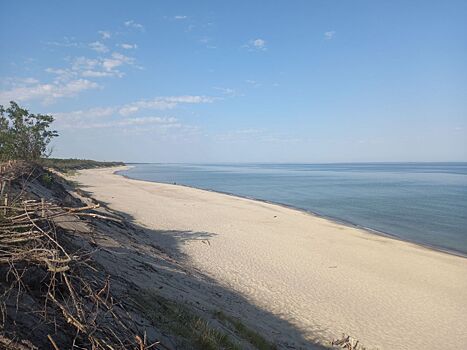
pixel 30 240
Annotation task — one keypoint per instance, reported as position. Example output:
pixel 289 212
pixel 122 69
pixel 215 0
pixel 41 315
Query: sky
pixel 242 81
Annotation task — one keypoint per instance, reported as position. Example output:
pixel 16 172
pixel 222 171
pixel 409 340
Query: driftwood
pixel 29 239
pixel 347 342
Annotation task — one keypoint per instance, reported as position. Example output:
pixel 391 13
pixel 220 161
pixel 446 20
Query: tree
pixel 24 135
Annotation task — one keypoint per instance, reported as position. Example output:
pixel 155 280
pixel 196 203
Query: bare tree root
pixel 36 263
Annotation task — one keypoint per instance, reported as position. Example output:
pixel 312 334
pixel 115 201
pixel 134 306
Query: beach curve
pixel 323 277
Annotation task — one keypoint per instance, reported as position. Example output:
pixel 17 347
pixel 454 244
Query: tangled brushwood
pixel 49 289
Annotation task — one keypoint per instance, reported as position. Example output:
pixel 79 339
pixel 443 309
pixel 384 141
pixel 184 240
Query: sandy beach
pixel 322 277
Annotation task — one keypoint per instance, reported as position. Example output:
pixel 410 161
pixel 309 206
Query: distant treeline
pixel 66 165
pixel 25 136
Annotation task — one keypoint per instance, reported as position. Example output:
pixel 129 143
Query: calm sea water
pixel 420 202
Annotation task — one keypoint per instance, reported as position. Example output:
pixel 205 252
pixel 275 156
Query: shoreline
pixel 322 277
pixel 311 213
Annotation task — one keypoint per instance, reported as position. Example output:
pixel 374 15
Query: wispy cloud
pixel 66 42
pixel 127 46
pixel 74 78
pixel 98 47
pixel 132 24
pixel 116 60
pixel 180 17
pixel 62 74
pixel 47 93
pixel 329 35
pixel 105 34
pixel 67 82
pixel 256 45
pixel 109 119
pixel 253 83
pixel 113 114
pixel 86 67
pixel 85 114
pixel 227 91
pixel 206 41
pixel 162 103
pixel 84 122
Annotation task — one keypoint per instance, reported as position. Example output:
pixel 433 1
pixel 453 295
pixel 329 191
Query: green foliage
pixel 47 180
pixel 71 165
pixel 192 331
pixel 23 135
pixel 246 333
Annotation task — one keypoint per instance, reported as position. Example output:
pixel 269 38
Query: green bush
pixel 24 136
pixel 47 180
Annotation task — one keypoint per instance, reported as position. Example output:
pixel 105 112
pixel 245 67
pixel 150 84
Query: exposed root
pixel 38 268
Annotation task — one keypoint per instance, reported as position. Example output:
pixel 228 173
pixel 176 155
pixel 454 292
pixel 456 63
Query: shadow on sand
pixel 144 260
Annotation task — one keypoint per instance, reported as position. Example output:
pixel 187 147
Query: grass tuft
pixel 192 330
pixel 246 333
pixel 47 180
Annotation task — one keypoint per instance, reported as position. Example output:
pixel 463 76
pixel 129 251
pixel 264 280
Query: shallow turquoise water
pixel 420 202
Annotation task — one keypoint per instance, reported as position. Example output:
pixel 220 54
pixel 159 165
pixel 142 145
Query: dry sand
pixel 324 278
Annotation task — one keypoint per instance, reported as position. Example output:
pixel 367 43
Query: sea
pixel 424 203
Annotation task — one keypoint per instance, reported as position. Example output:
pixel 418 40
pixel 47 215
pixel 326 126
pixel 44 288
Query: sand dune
pixel 323 277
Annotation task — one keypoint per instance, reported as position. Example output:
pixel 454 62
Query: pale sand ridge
pixel 324 278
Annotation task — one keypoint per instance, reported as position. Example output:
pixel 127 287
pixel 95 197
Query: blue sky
pixel 242 81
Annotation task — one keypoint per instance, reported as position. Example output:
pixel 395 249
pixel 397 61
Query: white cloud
pixel 100 118
pixel 248 131
pixel 99 74
pixel 128 46
pixel 163 103
pixel 179 17
pixel 148 120
pixel 14 82
pixel 116 60
pixel 112 115
pixel 133 24
pixel 329 35
pixel 47 93
pixel 62 75
pixel 67 82
pixel 256 45
pixel 259 44
pixel 97 67
pixel 67 42
pixel 206 42
pixel 226 91
pixel 104 34
pixel 80 115
pixel 121 117
pixel 98 47
pixel 70 81
pixel 253 83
